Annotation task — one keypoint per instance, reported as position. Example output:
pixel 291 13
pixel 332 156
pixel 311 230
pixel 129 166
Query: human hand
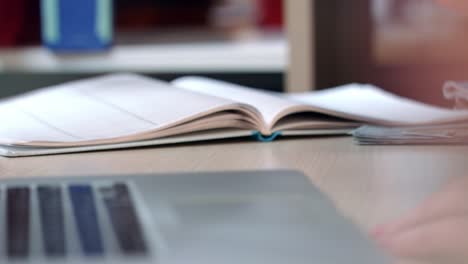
pixel 437 230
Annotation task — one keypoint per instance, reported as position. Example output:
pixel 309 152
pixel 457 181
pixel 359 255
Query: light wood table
pixel 369 184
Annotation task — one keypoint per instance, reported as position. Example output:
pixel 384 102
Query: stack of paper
pixel 441 134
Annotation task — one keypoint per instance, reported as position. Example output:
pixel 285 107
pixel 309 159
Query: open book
pixel 127 110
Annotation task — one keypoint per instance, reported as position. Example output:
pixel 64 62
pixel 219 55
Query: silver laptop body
pixel 208 218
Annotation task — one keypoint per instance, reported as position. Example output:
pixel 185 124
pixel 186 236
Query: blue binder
pixel 73 26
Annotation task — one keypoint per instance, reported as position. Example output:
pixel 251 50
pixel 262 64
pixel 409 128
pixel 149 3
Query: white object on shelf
pixel 269 55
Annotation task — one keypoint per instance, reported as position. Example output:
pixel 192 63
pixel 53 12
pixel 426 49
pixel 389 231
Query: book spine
pixel 262 138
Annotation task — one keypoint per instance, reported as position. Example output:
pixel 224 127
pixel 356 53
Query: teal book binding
pixel 258 136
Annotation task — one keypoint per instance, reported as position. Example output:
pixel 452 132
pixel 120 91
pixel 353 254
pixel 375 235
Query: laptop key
pixel 123 216
pixel 52 220
pixel 85 214
pixel 17 222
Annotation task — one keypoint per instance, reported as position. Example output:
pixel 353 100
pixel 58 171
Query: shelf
pixel 253 56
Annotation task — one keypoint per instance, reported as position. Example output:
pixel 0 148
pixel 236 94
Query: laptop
pixel 208 218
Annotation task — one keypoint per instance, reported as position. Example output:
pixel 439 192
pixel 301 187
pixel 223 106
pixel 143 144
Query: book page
pixel 354 102
pixel 370 104
pixel 269 104
pixel 102 108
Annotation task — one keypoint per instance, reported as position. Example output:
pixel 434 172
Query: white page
pixel 18 126
pixel 370 104
pixel 104 107
pixel 268 104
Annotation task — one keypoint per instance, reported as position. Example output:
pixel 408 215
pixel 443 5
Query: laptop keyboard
pixel 66 221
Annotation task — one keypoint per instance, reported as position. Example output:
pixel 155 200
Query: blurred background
pixel 418 32
pixel 418 44
pixel 409 47
pixel 241 41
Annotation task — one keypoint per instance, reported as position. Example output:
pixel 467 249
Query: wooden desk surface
pixel 369 184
